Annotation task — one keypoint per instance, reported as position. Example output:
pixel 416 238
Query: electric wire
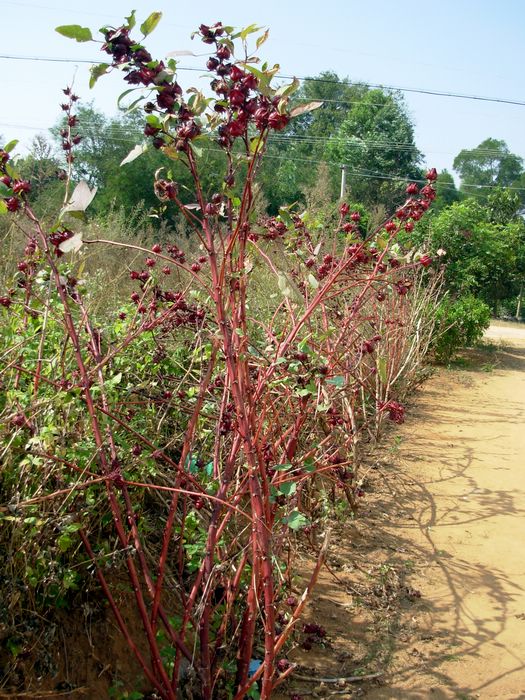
pixel 397 88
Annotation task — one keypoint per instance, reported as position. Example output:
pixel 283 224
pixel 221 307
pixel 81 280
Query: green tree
pixel 106 141
pixel 446 191
pixel 482 249
pixel 42 168
pixel 376 141
pixel 489 165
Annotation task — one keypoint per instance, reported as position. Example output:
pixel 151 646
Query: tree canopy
pixel 489 165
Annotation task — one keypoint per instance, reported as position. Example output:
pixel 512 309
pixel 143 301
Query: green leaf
pixel 260 40
pixel 96 72
pixel 12 172
pixel 125 94
pixel 9 147
pixel 149 24
pixel 339 382
pixel 255 142
pixel 288 488
pixel 286 90
pixel 282 283
pixel 313 281
pixel 282 467
pixel 64 542
pixel 244 33
pixel 309 465
pixel 154 121
pixel 75 31
pixel 296 520
pixel 5 191
pixel 381 368
pixel 131 20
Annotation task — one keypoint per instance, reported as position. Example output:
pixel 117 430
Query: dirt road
pixel 463 497
pixel 426 588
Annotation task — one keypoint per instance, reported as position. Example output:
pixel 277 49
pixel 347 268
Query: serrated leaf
pixel 81 198
pixel 9 146
pixel 303 109
pixel 96 72
pixel 3 207
pixel 73 244
pixel 75 31
pixel 149 24
pixel 135 153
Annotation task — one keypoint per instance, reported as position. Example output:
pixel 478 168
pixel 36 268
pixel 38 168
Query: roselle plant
pixel 210 413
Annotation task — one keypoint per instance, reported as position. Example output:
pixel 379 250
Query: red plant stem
pixel 166 693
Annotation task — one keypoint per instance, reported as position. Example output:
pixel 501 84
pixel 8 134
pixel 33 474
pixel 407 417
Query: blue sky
pixel 462 46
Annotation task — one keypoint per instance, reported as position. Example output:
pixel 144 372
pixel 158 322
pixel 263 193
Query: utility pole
pixel 343 182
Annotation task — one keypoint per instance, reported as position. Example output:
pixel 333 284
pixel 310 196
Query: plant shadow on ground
pixel 377 621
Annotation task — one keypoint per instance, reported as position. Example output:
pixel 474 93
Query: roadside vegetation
pixel 199 346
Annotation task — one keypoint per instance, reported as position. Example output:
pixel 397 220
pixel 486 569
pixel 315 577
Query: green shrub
pixel 462 322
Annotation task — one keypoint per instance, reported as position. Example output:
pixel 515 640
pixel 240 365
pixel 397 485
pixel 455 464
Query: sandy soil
pixel 465 452
pixel 446 520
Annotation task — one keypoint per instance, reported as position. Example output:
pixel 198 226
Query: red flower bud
pixel 223 52
pixel 236 97
pixel 277 121
pixel 21 186
pixel 431 175
pixel 236 74
pixel 13 204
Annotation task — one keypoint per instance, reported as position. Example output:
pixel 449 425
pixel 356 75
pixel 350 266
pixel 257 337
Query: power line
pixel 285 139
pixel 423 91
pixel 355 172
